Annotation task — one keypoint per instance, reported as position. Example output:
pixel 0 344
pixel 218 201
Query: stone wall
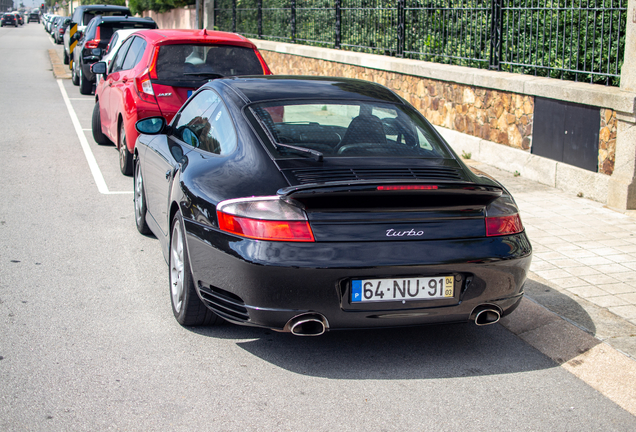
pixel 498 116
pixel 607 142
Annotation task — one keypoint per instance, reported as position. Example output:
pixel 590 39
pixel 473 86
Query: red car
pixel 153 74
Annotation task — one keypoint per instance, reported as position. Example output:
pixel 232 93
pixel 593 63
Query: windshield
pixel 188 62
pixel 349 129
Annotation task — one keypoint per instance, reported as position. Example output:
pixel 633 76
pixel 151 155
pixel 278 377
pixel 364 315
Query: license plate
pixel 423 288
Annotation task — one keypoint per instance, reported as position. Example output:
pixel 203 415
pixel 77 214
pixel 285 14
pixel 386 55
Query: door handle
pixel 125 80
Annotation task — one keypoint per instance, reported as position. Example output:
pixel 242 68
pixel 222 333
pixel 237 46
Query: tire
pixel 125 157
pixel 96 126
pixel 74 76
pixel 66 59
pixel 140 201
pixel 85 85
pixel 187 307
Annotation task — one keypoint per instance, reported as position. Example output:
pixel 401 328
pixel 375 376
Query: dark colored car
pixel 96 37
pixel 60 28
pixel 8 19
pixel 82 15
pixel 304 204
pixel 153 74
pixel 34 16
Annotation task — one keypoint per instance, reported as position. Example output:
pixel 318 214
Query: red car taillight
pixel 503 225
pixel 144 88
pixel 152 69
pixel 264 218
pixel 61 31
pixel 93 43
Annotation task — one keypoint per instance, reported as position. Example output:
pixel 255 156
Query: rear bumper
pixel 266 284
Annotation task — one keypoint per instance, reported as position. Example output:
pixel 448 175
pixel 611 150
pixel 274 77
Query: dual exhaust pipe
pixel 315 324
pixel 307 324
pixel 485 315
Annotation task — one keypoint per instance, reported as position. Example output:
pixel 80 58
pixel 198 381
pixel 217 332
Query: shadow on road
pixel 560 304
pixel 440 351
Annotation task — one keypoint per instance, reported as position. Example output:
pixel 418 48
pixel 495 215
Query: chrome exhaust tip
pixel 486 316
pixel 308 324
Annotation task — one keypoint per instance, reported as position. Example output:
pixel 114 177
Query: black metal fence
pixel 579 40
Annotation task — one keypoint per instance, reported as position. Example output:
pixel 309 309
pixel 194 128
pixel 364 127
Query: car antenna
pixel 204 32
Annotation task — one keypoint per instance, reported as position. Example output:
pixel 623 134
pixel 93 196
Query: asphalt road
pixel 88 340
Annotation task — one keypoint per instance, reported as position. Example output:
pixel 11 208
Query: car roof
pixel 167 37
pixel 281 87
pixel 105 7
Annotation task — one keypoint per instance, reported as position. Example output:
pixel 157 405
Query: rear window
pixel 193 62
pixel 360 129
pixel 106 30
pixel 89 15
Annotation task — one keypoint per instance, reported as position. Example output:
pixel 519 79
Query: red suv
pixel 153 74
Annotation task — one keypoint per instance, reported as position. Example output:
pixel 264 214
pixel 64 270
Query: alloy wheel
pixel 176 267
pixel 139 195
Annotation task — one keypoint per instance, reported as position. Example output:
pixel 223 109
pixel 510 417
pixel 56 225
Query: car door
pixel 107 108
pixel 122 95
pixel 190 129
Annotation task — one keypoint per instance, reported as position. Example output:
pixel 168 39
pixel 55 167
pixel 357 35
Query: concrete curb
pixel 60 71
pixel 546 171
pixel 599 365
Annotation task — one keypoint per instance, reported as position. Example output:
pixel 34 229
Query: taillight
pixel 503 225
pixel 152 69
pixel 264 218
pixel 61 31
pixel 406 187
pixel 144 88
pixel 93 43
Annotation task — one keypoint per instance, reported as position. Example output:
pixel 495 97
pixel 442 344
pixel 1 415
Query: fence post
pixel 259 18
pixel 401 28
pixel 621 192
pixel 293 21
pixel 337 29
pixel 233 16
pixel 496 30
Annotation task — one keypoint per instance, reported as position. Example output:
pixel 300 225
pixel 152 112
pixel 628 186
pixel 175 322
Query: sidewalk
pixel 584 259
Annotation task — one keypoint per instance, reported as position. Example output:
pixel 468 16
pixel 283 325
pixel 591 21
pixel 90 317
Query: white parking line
pixel 88 153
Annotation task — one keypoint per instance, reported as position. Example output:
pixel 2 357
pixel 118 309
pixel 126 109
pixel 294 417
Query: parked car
pixel 82 15
pixel 95 40
pixel 345 209
pixel 34 15
pixel 111 49
pixel 60 29
pixel 154 73
pixel 8 19
pixel 47 22
pixel 56 21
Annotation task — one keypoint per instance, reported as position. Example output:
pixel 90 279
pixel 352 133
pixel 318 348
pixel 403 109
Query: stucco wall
pixel 182 18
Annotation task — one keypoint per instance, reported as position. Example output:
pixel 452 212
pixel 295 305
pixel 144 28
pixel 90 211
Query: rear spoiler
pixel 430 194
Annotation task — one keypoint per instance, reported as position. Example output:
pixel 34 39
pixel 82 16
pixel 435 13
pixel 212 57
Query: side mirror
pixel 97 52
pixel 99 67
pixel 151 125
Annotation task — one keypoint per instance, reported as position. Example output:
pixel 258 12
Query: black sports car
pixel 305 204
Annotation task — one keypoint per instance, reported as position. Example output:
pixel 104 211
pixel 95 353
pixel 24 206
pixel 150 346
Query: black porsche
pixel 305 204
